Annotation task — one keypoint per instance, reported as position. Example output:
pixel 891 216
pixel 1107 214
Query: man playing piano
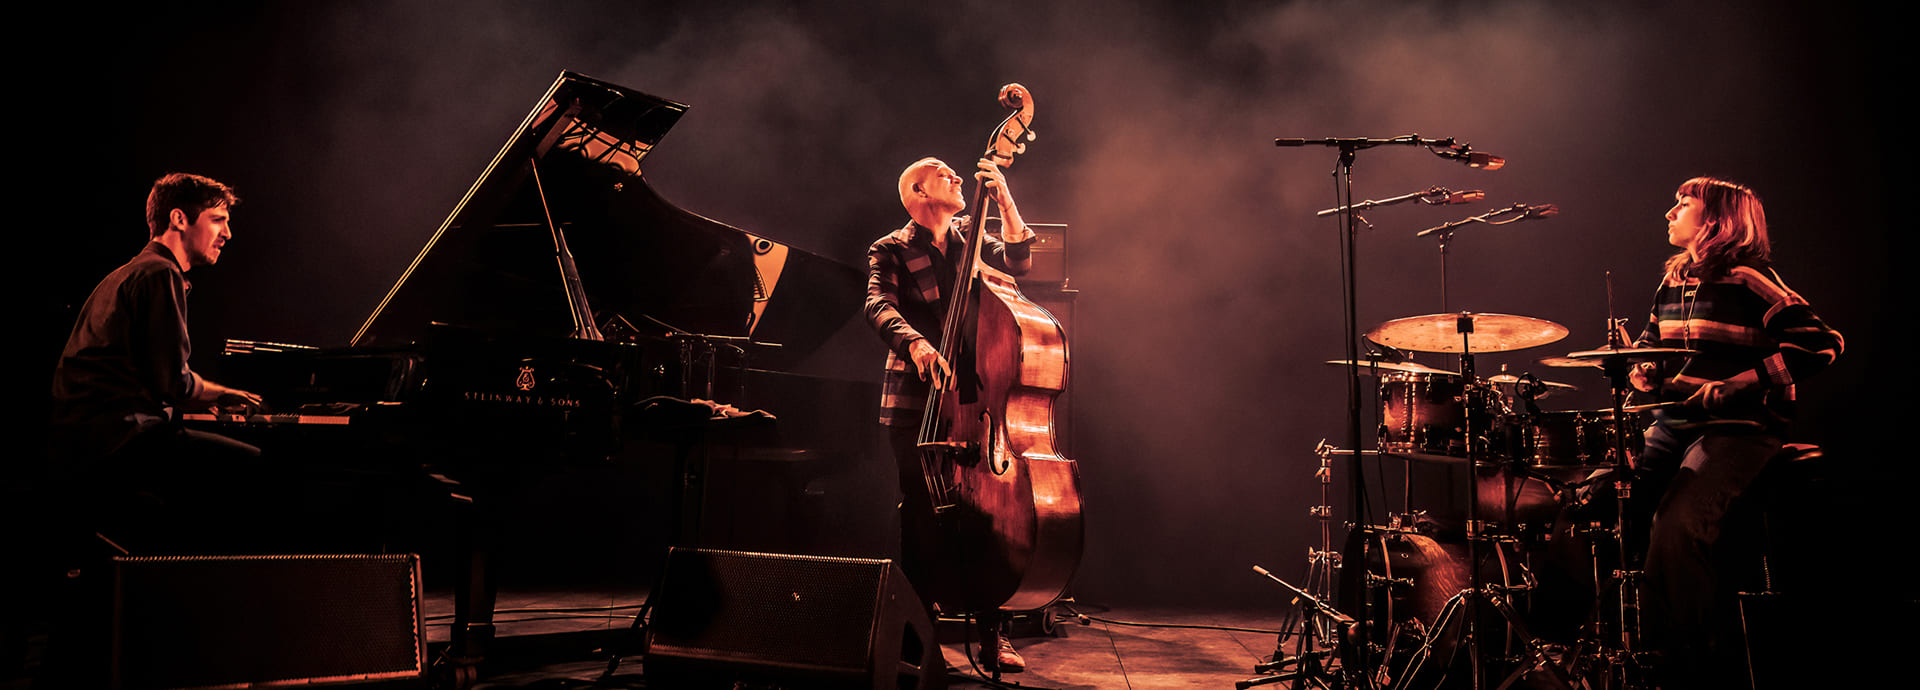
pixel 910 274
pixel 124 372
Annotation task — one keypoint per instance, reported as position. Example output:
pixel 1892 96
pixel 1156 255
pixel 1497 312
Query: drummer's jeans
pixel 1681 602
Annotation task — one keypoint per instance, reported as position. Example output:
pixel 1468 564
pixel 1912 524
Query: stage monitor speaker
pixel 243 621
pixel 723 617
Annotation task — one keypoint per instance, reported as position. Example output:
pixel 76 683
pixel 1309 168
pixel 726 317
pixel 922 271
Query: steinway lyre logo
pixel 525 380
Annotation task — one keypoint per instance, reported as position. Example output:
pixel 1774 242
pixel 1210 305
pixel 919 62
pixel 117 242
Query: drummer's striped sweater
pixel 1747 320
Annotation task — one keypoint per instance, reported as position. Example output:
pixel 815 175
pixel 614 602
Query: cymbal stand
pixel 1467 603
pixel 1618 654
pixel 1472 394
pixel 1311 666
pixel 1308 654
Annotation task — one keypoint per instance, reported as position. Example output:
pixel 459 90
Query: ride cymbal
pixel 1483 333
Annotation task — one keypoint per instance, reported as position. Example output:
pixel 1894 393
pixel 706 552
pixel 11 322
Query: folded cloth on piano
pixel 667 413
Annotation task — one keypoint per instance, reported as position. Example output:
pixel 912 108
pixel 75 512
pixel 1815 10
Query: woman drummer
pixel 1753 338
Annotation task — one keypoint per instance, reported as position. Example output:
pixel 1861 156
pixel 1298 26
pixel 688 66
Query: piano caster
pixel 454 671
pixel 454 674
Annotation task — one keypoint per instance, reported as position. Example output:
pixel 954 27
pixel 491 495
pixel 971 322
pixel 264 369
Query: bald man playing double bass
pixel 910 276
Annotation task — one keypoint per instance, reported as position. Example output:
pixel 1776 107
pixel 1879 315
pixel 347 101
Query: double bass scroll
pixel 1006 502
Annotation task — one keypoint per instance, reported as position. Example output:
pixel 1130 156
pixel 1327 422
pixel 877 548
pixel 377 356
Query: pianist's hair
pixel 192 194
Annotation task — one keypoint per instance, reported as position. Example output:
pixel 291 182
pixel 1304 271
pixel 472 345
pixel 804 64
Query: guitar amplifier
pixel 1049 251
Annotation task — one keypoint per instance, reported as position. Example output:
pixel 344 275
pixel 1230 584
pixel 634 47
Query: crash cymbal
pixel 1489 333
pixel 1630 354
pixel 1404 367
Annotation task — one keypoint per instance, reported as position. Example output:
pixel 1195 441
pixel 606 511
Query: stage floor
pixel 548 640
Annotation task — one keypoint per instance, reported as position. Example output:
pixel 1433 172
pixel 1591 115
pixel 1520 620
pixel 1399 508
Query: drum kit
pixel 1433 605
pixel 1428 604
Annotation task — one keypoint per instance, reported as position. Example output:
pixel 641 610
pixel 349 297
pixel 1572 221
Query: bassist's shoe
pixel 998 655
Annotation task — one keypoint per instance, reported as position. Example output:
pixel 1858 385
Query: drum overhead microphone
pixel 1444 148
pixel 1435 196
pixel 1442 196
pixel 1464 153
pixel 1499 217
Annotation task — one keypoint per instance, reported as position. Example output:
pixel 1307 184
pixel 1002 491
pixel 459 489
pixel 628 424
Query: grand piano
pixel 566 313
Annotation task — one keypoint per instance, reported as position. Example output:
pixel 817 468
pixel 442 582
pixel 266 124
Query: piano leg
pixel 474 591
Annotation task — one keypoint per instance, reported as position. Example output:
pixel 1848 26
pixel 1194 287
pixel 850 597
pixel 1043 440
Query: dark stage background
pixel 1210 295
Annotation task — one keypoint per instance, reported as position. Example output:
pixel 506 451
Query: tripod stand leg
pixel 1536 650
pixel 1432 635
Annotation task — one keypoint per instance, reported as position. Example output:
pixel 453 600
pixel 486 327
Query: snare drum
pixel 1423 416
pixel 1577 439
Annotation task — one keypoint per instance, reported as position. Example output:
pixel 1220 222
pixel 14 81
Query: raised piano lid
pixel 491 265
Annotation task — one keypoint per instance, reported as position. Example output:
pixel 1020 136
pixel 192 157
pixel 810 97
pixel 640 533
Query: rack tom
pixel 1423 416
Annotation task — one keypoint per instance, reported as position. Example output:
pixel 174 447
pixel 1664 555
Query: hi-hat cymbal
pixel 1403 367
pixel 1489 333
pixel 1569 363
pixel 1551 386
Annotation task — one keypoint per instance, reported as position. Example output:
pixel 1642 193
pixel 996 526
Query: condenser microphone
pixel 1445 197
pixel 1474 159
pixel 1484 161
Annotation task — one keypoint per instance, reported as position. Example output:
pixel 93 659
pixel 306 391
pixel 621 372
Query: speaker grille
pixel 798 612
pixel 184 622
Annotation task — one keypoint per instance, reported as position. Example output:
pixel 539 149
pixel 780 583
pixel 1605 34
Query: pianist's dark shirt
pixel 125 364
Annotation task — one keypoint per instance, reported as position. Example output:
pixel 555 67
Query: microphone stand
pixel 1447 231
pixel 1343 189
pixel 1441 192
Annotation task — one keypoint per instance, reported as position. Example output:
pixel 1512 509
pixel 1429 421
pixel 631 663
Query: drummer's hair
pixel 1735 234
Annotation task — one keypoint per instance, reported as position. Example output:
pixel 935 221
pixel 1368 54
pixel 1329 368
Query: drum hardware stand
pixel 1349 234
pixel 1477 593
pixel 1310 666
pixel 1464 326
pixel 1309 655
pixel 1465 604
pixel 1622 657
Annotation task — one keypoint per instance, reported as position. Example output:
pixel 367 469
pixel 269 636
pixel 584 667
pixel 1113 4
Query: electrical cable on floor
pixel 561 613
pixel 1083 618
pixel 556 617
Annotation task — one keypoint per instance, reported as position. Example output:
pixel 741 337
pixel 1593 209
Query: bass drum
pixel 1400 583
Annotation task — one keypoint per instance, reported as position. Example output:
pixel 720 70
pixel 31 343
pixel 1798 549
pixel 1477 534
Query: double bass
pixel 1006 503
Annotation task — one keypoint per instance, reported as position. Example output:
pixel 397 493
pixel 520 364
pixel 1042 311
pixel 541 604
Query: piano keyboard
pixel 267 419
